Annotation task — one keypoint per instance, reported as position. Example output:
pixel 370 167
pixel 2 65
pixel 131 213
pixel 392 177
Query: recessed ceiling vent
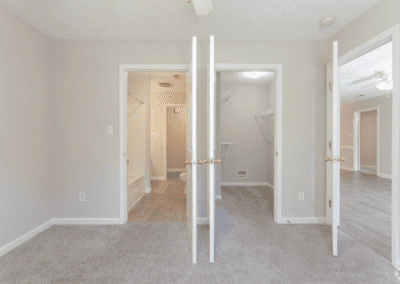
pixel 360 96
pixel 165 85
pixel 241 174
pixel 177 77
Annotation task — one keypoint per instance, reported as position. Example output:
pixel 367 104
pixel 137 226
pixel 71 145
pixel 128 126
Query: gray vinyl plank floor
pixel 365 210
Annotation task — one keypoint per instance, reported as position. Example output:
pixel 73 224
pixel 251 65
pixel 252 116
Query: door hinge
pixel 277 153
pixel 330 144
pixel 330 85
pixel 330 203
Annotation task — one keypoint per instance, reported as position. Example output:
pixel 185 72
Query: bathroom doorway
pixel 156 146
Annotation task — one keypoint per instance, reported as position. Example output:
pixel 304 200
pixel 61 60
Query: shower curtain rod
pixel 265 113
pixel 135 98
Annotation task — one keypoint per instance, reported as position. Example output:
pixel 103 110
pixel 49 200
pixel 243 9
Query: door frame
pixel 277 69
pixel 123 75
pixel 165 142
pixel 391 34
pixel 356 136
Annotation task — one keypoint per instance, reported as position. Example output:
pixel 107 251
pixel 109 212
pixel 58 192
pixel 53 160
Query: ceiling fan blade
pixel 202 7
pixel 374 83
pixel 377 75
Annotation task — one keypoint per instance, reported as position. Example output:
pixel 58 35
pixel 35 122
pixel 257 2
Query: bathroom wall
pixel 252 138
pixel 159 98
pixel 176 138
pixel 385 131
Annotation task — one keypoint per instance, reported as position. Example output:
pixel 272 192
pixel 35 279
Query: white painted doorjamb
pixel 391 34
pixel 123 74
pixel 356 145
pixel 165 138
pixel 277 68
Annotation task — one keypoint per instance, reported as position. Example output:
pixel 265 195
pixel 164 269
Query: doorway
pixel 379 230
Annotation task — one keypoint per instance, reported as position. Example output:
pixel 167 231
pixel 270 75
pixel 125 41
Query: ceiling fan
pixel 384 79
pixel 202 7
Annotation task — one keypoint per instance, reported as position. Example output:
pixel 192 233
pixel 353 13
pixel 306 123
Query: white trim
pixel 22 239
pixel 277 69
pixel 147 190
pixel 86 221
pixel 346 147
pixel 123 73
pixel 217 197
pixel 158 178
pixel 367 166
pixel 202 220
pixel 384 176
pixel 307 220
pixel 165 138
pixel 236 183
pixel 392 34
pixel 356 145
pixel 133 205
pixel 176 170
pixel 347 169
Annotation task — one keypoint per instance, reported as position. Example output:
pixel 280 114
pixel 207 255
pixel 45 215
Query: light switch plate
pixel 301 196
pixel 110 129
pixel 82 196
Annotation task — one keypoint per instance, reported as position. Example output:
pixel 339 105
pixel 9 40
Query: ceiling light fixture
pixel 385 86
pixel 202 7
pixel 327 22
pixel 254 75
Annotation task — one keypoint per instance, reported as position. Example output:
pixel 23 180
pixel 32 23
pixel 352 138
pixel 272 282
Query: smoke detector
pixel 327 22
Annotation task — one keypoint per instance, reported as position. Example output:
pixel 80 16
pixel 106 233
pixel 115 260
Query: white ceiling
pixel 240 78
pixel 177 20
pixel 363 67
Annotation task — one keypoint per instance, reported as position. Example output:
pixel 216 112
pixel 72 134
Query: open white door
pixel 333 148
pixel 211 148
pixel 191 154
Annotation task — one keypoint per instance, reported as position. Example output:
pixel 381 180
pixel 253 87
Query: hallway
pixel 365 210
pixel 165 203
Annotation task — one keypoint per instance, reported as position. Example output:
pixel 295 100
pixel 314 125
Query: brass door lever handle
pixel 200 162
pixel 206 161
pixel 217 161
pixel 188 162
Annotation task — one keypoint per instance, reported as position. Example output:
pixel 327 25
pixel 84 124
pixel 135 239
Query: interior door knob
pixel 188 162
pixel 200 162
pixel 328 159
pixel 217 161
pixel 341 160
pixel 206 161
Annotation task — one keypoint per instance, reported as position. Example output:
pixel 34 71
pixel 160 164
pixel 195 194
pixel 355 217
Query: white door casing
pixel 191 153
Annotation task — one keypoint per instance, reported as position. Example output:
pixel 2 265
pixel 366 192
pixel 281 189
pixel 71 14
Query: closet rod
pixel 135 98
pixel 265 113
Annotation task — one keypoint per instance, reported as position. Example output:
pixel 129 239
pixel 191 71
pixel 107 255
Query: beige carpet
pixel 250 248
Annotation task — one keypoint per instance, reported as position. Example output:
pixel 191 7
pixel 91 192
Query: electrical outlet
pixel 82 196
pixel 301 196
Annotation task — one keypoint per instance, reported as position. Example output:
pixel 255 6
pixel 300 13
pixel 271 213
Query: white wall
pixel 27 191
pixel 385 131
pixel 86 80
pixel 250 135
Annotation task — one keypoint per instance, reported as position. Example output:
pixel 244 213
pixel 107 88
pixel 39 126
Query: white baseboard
pixel 307 220
pixel 368 166
pixel 176 170
pixel 147 190
pixel 347 169
pixel 158 178
pixel 218 197
pixel 246 184
pixel 86 221
pixel 22 239
pixel 202 220
pixel 384 176
pixel 143 194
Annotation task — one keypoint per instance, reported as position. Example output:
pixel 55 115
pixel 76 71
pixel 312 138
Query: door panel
pixel 211 147
pixel 333 147
pixel 191 155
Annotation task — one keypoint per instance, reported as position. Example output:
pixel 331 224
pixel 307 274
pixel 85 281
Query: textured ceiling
pixel 177 20
pixel 378 60
pixel 240 78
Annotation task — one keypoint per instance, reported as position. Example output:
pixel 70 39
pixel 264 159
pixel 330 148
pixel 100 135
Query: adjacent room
pixel 156 146
pixel 366 85
pixel 246 103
